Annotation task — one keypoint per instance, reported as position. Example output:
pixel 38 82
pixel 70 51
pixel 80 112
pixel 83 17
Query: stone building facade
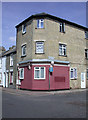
pixel 42 40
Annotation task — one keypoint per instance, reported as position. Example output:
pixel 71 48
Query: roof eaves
pixel 52 17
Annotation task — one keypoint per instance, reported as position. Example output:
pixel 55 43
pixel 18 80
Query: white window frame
pixel 62 27
pixel 74 75
pixel 23 47
pixel 23 28
pixel 63 48
pixel 39 22
pixel 20 77
pixel 40 73
pixel 42 43
pixel 11 60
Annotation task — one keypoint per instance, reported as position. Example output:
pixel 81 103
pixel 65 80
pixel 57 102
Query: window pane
pixel 24 28
pixel 72 73
pixel 36 73
pixel 21 73
pixel 62 49
pixel 63 27
pixel 39 47
pixel 36 67
pixel 37 23
pixel 42 24
pixel 23 50
pixel 60 27
pixel 86 53
pixel 11 60
pixel 75 73
pixel 86 34
pixel 42 72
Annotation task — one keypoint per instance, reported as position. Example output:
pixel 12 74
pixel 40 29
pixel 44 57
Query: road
pixel 34 104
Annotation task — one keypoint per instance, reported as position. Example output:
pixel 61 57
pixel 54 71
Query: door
pixel 7 79
pixel 11 78
pixel 83 80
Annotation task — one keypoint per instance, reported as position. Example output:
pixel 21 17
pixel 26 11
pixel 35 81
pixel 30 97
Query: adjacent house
pixel 2 69
pixel 52 53
pixel 10 55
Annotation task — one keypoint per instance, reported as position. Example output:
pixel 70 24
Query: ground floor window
pixel 21 73
pixel 73 73
pixel 39 72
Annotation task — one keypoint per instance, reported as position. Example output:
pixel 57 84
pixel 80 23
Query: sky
pixel 15 12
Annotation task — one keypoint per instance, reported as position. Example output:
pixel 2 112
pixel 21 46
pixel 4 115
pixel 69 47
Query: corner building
pixel 51 53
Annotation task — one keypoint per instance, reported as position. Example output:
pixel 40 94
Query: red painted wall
pixel 59 79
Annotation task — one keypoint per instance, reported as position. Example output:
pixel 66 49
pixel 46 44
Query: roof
pixel 8 52
pixel 45 15
pixel 43 60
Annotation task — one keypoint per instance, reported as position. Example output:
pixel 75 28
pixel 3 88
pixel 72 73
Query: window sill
pixel 23 33
pixel 21 78
pixel 39 28
pixel 73 78
pixel 39 78
pixel 62 32
pixel 39 53
pixel 63 55
pixel 11 65
pixel 23 56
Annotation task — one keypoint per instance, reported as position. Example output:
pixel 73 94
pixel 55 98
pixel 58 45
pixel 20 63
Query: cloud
pixel 13 39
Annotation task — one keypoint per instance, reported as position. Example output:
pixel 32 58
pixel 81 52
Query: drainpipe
pixel 49 80
pixel 50 71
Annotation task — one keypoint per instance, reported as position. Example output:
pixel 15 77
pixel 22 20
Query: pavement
pixel 34 92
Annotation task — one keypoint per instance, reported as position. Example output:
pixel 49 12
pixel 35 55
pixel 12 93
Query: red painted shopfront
pixel 58 79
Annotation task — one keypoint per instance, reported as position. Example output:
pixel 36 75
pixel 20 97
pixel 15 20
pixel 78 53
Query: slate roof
pixel 5 53
pixel 45 15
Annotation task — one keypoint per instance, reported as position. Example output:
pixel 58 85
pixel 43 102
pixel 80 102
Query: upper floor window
pixel 40 23
pixel 62 49
pixel 11 60
pixel 86 53
pixel 21 73
pixel 39 72
pixel 23 28
pixel 62 27
pixel 39 47
pixel 0 63
pixel 24 50
pixel 86 34
pixel 73 73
